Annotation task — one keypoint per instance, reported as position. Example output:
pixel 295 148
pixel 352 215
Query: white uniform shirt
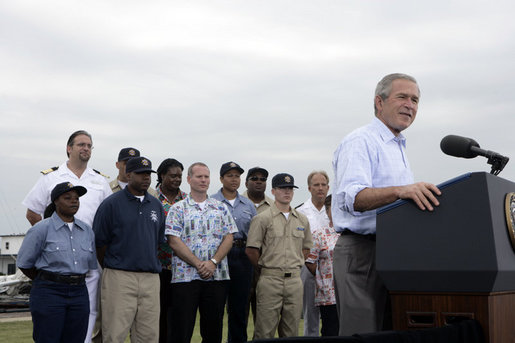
pixel 98 189
pixel 317 219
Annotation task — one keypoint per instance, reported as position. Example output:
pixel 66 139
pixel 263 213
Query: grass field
pixel 21 331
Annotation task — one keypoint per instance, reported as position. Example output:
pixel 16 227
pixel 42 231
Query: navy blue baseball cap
pixel 230 166
pixel 65 187
pixel 127 153
pixel 257 170
pixel 283 180
pixel 139 165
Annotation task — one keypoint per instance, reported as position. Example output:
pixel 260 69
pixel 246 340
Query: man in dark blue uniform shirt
pixel 128 227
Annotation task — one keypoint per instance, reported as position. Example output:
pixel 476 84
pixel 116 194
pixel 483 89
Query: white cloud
pixel 270 83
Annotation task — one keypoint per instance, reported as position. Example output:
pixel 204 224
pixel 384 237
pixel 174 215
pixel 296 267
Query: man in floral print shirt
pixel 200 232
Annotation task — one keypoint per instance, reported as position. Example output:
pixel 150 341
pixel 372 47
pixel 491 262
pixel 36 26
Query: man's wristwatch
pixel 214 261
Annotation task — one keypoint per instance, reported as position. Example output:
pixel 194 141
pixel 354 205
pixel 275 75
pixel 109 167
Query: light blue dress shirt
pixel 242 212
pixel 50 245
pixel 369 157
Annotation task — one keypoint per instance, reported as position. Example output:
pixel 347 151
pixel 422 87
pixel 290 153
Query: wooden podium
pixel 454 263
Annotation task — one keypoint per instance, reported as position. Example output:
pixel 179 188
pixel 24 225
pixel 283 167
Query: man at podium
pixel 372 170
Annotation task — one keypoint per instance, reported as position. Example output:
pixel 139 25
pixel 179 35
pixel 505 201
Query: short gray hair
pixel 384 87
pixel 313 173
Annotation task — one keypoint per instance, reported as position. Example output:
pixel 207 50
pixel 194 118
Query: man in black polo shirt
pixel 128 227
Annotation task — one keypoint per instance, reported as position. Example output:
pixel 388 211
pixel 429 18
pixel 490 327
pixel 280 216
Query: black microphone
pixel 458 146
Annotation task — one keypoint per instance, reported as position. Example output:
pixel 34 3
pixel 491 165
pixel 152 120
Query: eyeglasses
pixel 255 178
pixel 84 145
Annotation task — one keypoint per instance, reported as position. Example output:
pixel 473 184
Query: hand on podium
pixel 422 193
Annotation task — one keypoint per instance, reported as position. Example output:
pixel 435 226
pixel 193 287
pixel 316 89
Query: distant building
pixel 9 247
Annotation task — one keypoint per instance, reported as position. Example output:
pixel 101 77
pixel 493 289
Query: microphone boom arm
pixel 497 161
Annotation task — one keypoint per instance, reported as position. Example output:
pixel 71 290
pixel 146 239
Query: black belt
pixel 239 243
pixel 76 279
pixel 370 237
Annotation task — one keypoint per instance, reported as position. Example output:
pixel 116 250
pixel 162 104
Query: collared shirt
pixel 317 218
pixel 50 245
pixel 164 252
pixel 202 231
pixel 242 212
pixel 369 157
pixel 281 240
pixel 265 204
pixel 131 229
pixel 116 186
pixel 98 189
pixel 324 240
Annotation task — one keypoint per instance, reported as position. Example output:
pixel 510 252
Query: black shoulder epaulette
pixel 48 171
pixel 99 173
pixel 299 206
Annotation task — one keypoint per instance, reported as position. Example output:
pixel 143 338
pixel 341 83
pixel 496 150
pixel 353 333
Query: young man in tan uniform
pixel 278 242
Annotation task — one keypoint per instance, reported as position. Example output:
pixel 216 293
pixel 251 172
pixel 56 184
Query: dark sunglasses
pixel 255 178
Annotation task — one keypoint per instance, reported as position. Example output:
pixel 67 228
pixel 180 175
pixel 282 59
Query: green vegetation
pixel 21 331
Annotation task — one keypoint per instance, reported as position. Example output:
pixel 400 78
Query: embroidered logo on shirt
pixel 153 216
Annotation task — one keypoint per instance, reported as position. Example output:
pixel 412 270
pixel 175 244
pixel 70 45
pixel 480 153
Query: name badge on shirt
pixel 300 228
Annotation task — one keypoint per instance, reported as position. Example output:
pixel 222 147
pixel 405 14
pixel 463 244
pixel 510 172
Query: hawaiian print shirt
pixel 324 240
pixel 202 231
pixel 164 252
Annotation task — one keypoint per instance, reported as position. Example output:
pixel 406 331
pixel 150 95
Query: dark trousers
pixel 60 312
pixel 165 300
pixel 240 270
pixel 208 297
pixel 330 323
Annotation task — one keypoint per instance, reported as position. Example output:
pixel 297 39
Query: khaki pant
pixel 130 299
pixel 279 303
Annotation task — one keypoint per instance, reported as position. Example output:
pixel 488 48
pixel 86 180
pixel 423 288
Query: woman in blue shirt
pixel 56 254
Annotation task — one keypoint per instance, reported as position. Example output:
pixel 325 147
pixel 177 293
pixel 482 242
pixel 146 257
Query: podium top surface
pixel 440 186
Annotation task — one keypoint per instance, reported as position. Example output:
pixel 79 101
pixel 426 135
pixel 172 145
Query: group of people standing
pixel 128 258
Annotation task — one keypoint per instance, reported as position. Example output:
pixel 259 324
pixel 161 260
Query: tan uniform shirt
pixel 281 240
pixel 115 187
pixel 263 205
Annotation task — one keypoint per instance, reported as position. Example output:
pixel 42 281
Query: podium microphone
pixel 458 146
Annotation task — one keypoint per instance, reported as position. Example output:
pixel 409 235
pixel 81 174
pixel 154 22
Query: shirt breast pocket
pixel 55 252
pixel 275 231
pixel 55 247
pixel 86 248
pixel 246 215
pixel 299 232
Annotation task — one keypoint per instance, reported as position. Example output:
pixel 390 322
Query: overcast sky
pixel 271 83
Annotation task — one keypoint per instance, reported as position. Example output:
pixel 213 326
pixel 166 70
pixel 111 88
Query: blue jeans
pixel 60 312
pixel 238 292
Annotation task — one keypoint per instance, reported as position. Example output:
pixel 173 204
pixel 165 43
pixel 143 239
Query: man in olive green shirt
pixel 278 242
pixel 256 187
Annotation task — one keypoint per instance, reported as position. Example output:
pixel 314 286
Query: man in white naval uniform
pixel 314 209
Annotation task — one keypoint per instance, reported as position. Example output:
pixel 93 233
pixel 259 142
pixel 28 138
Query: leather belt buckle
pixel 287 274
